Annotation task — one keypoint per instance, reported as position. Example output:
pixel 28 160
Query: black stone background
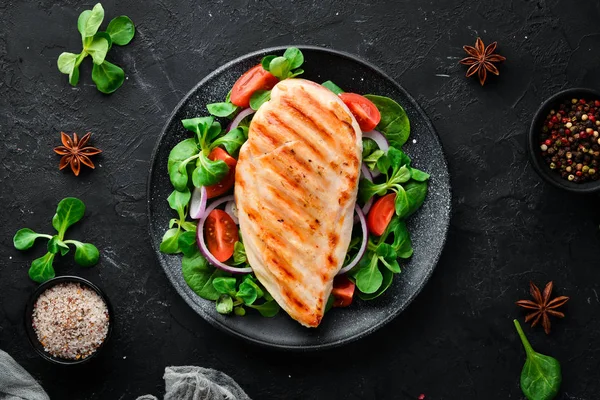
pixel 456 341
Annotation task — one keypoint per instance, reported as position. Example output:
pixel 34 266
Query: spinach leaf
pixel 178 201
pixel 368 277
pixel 224 304
pixel 225 285
pixel 402 244
pixel 247 292
pixel 333 87
pixel 388 277
pixel 394 122
pixel 209 172
pixel 41 268
pixel 239 254
pixel 121 30
pixel 269 308
pixel 221 109
pixel 86 254
pixel 108 77
pixel 415 193
pixel 184 151
pixel 200 126
pixel 187 243
pixel 401 202
pixel 55 245
pixel 25 238
pixel 369 146
pixel 232 141
pixel 541 376
pixel 199 275
pixel 69 211
pixel 258 98
pixel 419 175
pixel 294 56
pixel 170 241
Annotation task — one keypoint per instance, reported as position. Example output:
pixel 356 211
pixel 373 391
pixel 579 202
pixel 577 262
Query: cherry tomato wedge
pixel 220 233
pixel 256 78
pixel 227 182
pixel 381 214
pixel 366 113
pixel 343 290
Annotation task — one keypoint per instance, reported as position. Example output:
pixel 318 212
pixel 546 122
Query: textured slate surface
pixel 456 340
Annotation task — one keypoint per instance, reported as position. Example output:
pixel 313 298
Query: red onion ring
pixel 231 209
pixel 363 246
pixel 202 244
pixel 198 203
pixel 238 118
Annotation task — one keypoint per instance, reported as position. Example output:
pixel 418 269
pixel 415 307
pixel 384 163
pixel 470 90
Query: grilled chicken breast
pixel 295 189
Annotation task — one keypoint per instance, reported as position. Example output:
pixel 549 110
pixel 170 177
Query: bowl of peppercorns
pixel 564 140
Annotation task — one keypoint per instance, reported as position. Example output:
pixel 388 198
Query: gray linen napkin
pixel 197 383
pixel 16 383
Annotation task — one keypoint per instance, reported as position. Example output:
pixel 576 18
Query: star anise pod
pixel 74 152
pixel 481 60
pixel 543 306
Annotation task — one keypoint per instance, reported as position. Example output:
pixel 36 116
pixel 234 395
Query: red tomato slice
pixel 381 214
pixel 227 182
pixel 220 233
pixel 343 290
pixel 256 78
pixel 366 113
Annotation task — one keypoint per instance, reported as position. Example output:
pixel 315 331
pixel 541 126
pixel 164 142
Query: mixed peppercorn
pixel 570 142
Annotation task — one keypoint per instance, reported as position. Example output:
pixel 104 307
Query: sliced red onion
pixel 198 203
pixel 238 118
pixel 202 244
pixel 231 209
pixel 363 245
pixel 368 176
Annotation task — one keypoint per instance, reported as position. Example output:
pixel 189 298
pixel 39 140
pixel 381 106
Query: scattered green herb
pixel 541 376
pixel 69 211
pixel 107 76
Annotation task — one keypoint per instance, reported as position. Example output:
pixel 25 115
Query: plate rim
pixel 310 347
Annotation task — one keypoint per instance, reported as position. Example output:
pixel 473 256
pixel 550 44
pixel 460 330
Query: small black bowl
pixel 535 154
pixel 29 319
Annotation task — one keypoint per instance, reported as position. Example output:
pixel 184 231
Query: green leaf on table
pixel 170 241
pixel 199 275
pixel 86 254
pixel 97 47
pixel 121 30
pixel 25 238
pixel 66 62
pixel 69 211
pixel 541 376
pixel 41 268
pixel 394 122
pixel 258 98
pixel 108 77
pixel 224 304
pixel 55 245
pixel 90 20
pixel 221 109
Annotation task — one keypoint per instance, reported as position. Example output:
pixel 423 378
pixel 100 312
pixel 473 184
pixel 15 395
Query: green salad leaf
pixel 394 122
pixel 224 109
pixel 25 238
pixel 199 275
pixel 286 66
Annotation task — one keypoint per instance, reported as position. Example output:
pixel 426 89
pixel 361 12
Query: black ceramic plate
pixel 428 226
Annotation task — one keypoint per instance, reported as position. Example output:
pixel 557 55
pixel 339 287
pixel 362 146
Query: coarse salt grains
pixel 70 320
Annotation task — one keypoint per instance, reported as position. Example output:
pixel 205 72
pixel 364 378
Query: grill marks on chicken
pixel 296 184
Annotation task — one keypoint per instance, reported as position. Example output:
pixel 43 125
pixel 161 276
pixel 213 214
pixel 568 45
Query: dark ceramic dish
pixel 533 141
pixel 33 337
pixel 428 227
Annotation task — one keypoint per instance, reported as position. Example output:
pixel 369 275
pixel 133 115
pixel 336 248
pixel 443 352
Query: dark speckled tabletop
pixel 456 341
